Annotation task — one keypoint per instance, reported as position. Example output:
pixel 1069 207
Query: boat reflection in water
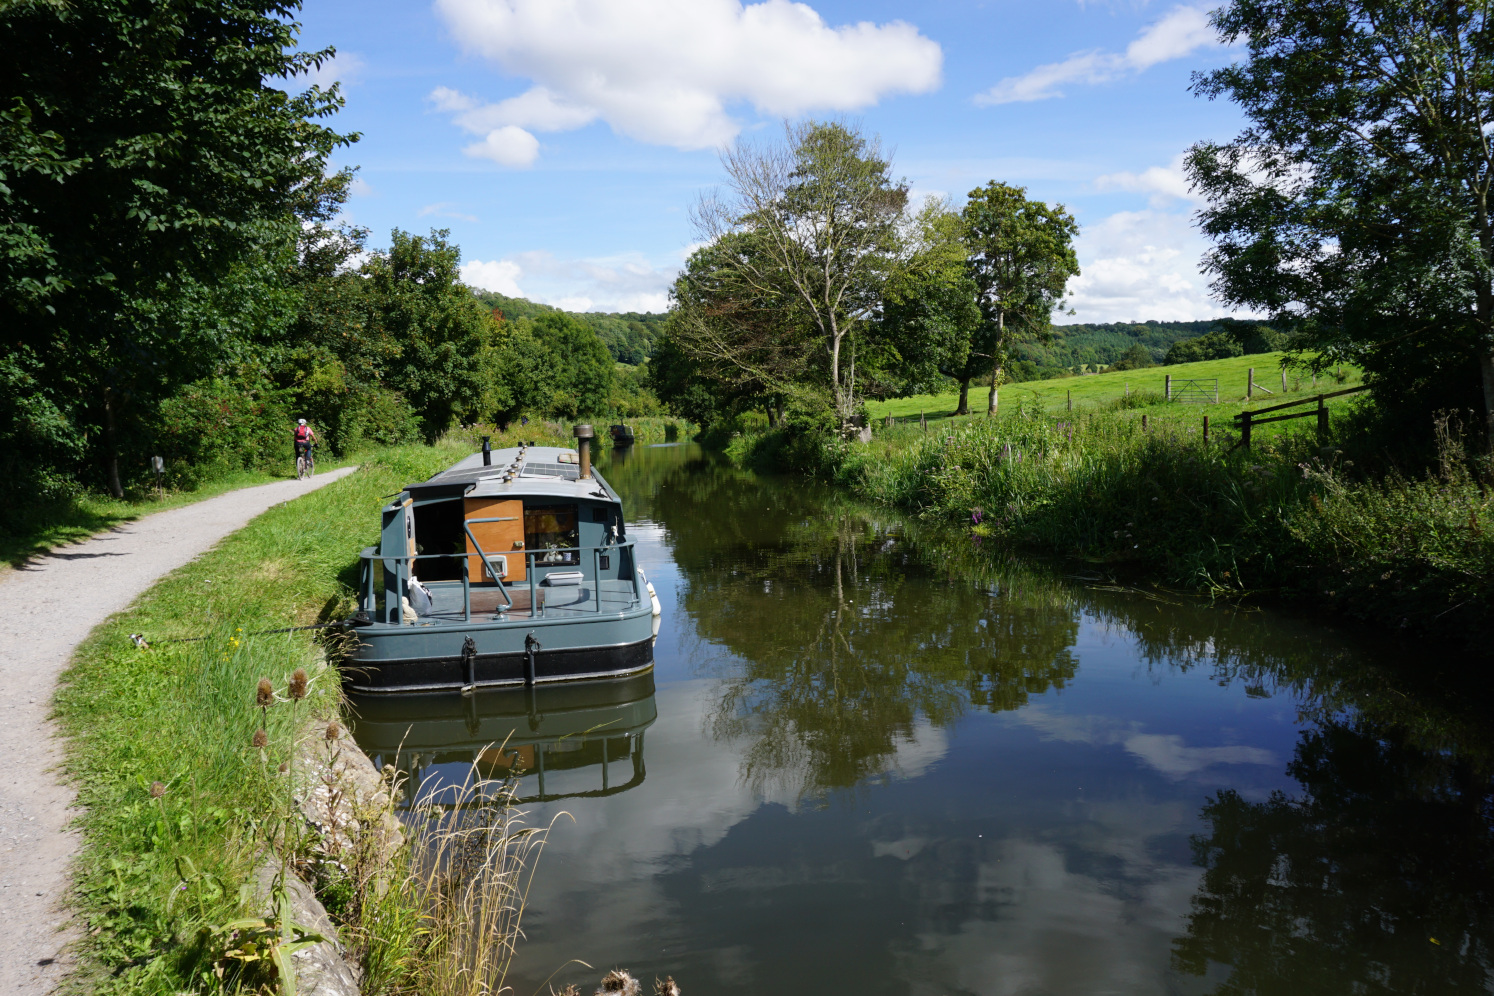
pixel 581 740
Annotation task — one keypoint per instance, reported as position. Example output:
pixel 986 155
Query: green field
pixel 1109 390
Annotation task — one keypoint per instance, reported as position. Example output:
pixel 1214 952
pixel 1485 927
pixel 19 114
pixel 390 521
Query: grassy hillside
pixel 1109 391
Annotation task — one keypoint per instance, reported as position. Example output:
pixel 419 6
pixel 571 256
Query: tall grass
pixel 1293 516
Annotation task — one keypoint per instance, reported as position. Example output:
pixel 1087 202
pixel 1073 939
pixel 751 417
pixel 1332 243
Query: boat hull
pixel 393 658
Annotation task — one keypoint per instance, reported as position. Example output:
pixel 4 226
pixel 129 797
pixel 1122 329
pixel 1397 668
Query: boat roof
pixel 532 471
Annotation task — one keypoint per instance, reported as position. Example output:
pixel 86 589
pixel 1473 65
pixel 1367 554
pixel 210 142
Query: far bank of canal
pixel 871 760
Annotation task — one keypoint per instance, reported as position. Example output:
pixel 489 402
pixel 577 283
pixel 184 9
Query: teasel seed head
pixel 261 739
pixel 667 987
pixel 157 789
pixel 618 981
pixel 333 730
pixel 264 696
pixel 298 684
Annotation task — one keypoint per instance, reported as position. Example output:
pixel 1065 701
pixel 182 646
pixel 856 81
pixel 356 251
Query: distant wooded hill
pixel 1074 345
pixel 629 336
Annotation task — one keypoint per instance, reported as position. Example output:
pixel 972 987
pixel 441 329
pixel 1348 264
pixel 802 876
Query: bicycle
pixel 305 463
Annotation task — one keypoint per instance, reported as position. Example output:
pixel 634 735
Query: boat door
pixel 502 538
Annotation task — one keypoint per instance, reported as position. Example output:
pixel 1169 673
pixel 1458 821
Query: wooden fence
pixel 1245 421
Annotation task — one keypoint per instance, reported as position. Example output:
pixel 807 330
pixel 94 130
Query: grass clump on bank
pixel 1292 516
pixel 182 794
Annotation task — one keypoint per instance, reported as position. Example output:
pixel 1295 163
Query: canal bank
pixel 874 758
pixel 1332 523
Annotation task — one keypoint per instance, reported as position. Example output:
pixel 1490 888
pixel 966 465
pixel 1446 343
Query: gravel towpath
pixel 49 606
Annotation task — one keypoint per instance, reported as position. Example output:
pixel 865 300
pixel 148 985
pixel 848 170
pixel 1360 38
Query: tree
pixel 824 211
pixel 1356 206
pixel 1211 346
pixel 440 336
pixel 1021 259
pixel 580 365
pixel 1135 357
pixel 929 312
pixel 149 174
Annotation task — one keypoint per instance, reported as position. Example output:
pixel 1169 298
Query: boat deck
pixel 569 601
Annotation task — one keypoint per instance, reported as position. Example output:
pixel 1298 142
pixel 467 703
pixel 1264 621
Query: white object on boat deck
pixel 653 597
pixel 557 578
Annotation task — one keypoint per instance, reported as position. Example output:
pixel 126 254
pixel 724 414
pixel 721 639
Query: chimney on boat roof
pixel 584 436
pixel 487 451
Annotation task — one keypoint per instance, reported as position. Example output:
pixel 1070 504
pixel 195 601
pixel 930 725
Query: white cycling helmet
pixel 301 421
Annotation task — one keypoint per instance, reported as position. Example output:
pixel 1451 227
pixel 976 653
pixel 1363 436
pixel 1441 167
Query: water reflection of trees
pixel 1378 878
pixel 839 647
pixel 1375 875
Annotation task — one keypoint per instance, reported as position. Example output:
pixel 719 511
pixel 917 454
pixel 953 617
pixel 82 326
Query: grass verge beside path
pixel 160 869
pixel 31 530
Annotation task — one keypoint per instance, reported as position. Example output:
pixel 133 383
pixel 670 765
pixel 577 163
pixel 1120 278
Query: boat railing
pixel 402 567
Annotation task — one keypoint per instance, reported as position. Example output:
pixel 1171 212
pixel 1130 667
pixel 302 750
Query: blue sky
pixel 564 141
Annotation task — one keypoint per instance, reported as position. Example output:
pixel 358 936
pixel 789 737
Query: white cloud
pixel 626 282
pixel 360 188
pixel 1180 33
pixel 1164 183
pixel 666 71
pixel 506 146
pixel 499 275
pixel 1138 265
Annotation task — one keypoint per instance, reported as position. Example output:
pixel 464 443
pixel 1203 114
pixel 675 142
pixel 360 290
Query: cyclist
pixel 305 436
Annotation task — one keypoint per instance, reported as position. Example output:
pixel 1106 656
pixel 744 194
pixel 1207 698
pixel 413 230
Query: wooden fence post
pixel 1245 429
pixel 1322 420
pixel 1206 428
pixel 1143 421
pixel 1128 388
pixel 1071 399
pixel 1283 380
pixel 1250 384
pixel 923 422
pixel 1167 387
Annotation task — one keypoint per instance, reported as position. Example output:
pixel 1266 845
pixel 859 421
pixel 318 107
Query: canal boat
pixel 622 435
pixel 511 567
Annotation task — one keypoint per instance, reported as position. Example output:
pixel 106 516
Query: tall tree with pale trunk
pixel 1021 256
pixel 824 213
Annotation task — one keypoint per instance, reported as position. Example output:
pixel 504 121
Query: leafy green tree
pixel 580 366
pixel 824 211
pixel 929 311
pixel 1021 256
pixel 439 336
pixel 1356 206
pixel 150 172
pixel 1134 358
pixel 1212 346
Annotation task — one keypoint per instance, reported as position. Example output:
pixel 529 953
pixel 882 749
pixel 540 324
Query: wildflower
pixel 976 515
pixel 333 730
pixel 265 694
pixel 157 789
pixel 261 739
pixel 297 687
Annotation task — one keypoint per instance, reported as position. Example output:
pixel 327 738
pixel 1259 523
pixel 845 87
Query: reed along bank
pixel 1333 521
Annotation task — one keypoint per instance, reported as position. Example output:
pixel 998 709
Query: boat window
pixel 549 529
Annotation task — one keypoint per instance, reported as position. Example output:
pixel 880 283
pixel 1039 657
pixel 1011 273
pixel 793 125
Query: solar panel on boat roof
pixel 535 469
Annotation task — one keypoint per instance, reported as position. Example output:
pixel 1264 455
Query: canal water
pixel 874 758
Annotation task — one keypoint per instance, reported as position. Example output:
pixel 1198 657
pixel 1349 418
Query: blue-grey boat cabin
pixel 511 567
